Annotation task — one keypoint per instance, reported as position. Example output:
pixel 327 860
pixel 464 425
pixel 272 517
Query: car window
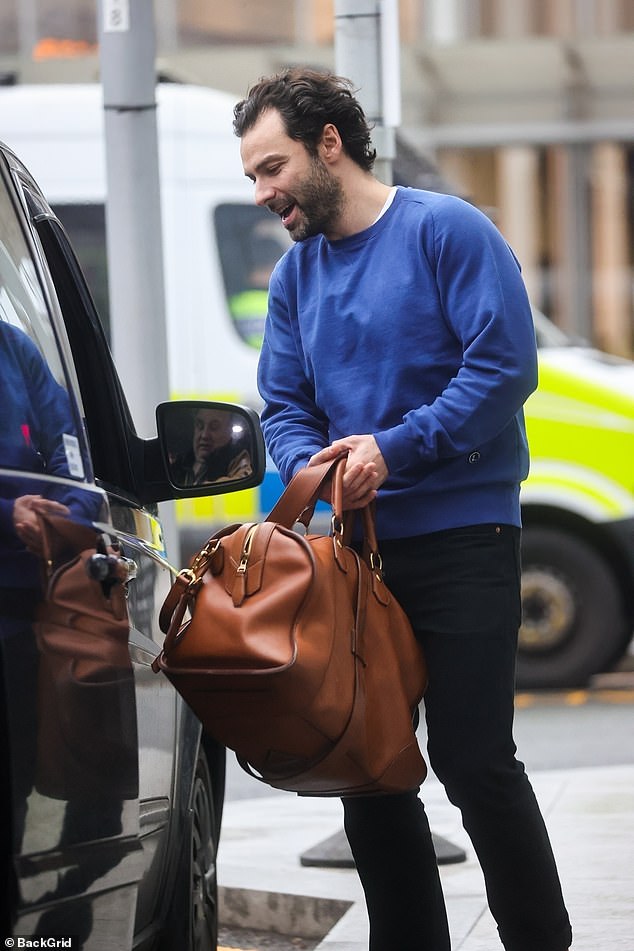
pixel 108 421
pixel 41 431
pixel 85 224
pixel 22 303
pixel 250 242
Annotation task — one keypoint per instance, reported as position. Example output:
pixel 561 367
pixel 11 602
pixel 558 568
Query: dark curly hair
pixel 307 100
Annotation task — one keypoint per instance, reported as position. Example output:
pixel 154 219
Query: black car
pixel 111 795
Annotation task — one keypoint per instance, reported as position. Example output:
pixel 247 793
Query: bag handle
pixel 297 504
pixel 62 538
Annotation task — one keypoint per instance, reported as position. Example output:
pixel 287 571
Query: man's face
pixel 289 181
pixel 212 430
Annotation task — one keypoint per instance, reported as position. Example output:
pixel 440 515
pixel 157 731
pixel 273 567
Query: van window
pixel 250 242
pixel 249 239
pixel 39 429
pixel 86 227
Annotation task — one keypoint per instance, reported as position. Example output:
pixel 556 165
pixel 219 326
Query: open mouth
pixel 286 213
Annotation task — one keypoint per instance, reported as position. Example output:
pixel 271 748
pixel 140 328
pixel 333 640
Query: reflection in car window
pixel 39 431
pixel 250 242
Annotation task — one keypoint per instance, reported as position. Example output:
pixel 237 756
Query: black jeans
pixel 460 589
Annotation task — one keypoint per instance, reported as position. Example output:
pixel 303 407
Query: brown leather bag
pixel 87 736
pixel 296 655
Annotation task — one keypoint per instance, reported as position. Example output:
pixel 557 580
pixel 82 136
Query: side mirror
pixel 210 448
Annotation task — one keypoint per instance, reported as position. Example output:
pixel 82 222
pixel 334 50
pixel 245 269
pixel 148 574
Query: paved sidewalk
pixel 589 814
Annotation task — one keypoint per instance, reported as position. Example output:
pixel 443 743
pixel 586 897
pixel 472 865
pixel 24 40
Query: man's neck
pixel 364 199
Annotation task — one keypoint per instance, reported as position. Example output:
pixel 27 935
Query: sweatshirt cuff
pixel 399 450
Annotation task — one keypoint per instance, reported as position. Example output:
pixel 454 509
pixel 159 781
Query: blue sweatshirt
pixel 419 331
pixel 35 415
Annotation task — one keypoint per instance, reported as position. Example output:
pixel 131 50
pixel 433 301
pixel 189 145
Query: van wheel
pixel 192 920
pixel 573 617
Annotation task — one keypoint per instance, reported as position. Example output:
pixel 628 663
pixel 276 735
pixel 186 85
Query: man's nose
pixel 264 193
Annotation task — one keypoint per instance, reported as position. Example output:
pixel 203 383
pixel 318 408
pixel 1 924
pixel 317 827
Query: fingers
pixel 326 454
pixel 29 534
pixel 360 449
pixel 358 501
pixel 49 507
pixel 365 470
pixel 360 482
pixel 364 449
pixel 25 511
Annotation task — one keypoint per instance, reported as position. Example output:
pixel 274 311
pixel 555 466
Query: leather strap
pixel 297 502
pixel 177 592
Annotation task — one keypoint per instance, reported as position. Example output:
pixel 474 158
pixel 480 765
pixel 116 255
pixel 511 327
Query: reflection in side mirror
pixel 208 444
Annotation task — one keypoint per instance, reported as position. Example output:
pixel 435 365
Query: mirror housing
pixel 203 448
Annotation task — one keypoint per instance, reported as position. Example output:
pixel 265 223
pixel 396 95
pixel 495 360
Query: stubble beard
pixel 320 200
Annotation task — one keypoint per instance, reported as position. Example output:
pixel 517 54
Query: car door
pixel 118 843
pixel 138 532
pixel 70 856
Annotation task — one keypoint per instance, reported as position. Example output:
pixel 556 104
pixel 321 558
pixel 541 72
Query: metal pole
pixel 133 212
pixel 28 33
pixel 578 266
pixel 133 215
pixel 367 52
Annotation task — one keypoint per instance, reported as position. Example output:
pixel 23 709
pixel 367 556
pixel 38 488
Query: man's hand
pixel 365 468
pixel 27 527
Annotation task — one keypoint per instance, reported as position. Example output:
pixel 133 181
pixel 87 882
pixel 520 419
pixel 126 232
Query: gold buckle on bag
pixel 203 555
pixel 336 525
pixel 188 575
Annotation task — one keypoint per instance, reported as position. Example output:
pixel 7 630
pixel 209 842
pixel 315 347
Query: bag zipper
pixel 246 550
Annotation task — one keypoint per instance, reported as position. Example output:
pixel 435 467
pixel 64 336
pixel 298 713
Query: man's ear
pixel 330 145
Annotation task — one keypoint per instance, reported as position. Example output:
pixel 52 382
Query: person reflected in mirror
pixel 219 451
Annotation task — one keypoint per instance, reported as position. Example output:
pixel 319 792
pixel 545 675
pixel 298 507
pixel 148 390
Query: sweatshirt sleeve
pixel 294 427
pixel 7 529
pixel 485 306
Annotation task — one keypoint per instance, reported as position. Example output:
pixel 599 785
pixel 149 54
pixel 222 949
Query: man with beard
pixel 218 452
pixel 399 329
